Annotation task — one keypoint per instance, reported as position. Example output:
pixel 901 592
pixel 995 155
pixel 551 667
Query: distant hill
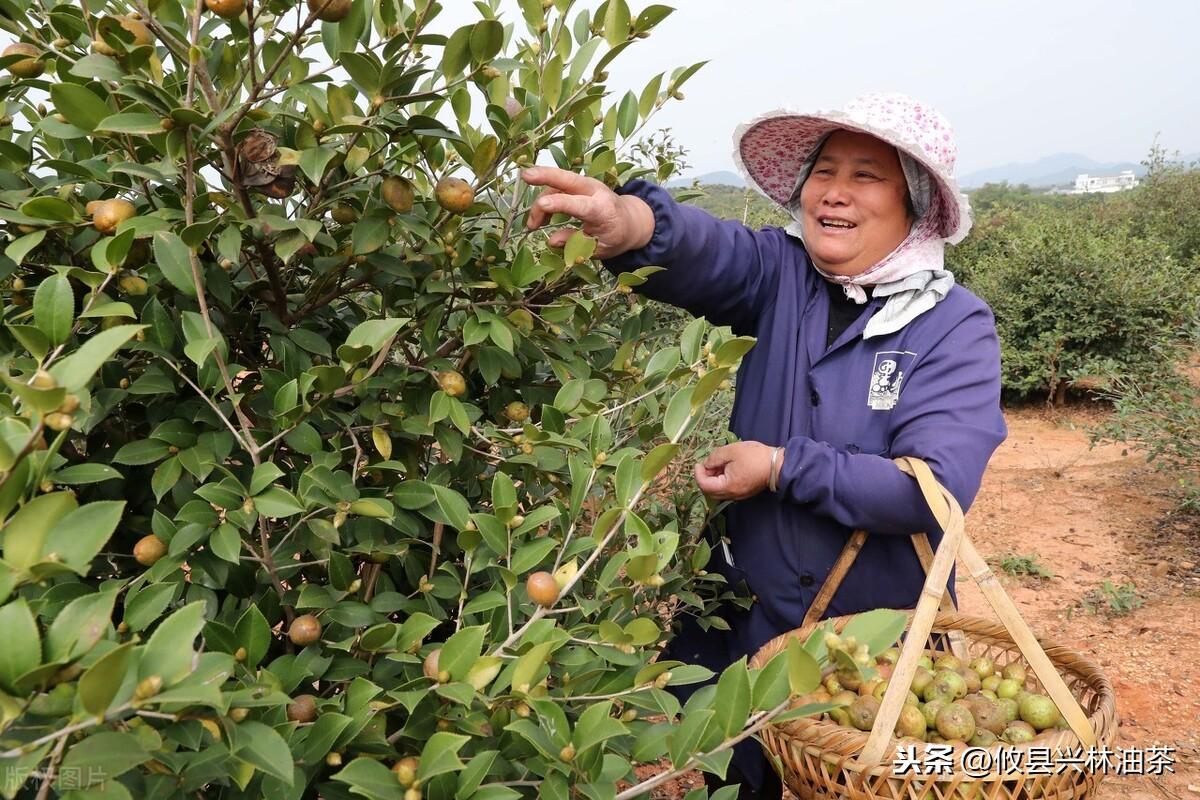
pixel 722 177
pixel 1054 170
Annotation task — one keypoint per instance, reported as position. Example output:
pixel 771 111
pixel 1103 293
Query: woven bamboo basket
pixel 821 759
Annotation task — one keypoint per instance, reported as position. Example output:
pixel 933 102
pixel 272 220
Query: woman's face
pixel 854 204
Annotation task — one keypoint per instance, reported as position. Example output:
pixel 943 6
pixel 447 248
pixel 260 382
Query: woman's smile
pixel 854 204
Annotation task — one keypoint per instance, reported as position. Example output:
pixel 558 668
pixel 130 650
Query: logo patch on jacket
pixel 887 378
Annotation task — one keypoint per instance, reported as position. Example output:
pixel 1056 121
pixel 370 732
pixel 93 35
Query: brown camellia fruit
pixel 542 589
pixel 330 10
pixel 955 722
pixel 111 213
pixel 397 193
pixel 863 712
pixel 29 67
pixel 148 550
pixel 226 9
pixel 141 35
pixel 302 709
pixel 454 194
pixel 429 667
pixel 305 630
pixel 344 214
pixel 452 382
pixel 516 411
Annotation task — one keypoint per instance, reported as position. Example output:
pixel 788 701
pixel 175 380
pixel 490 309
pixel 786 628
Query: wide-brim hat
pixel 770 149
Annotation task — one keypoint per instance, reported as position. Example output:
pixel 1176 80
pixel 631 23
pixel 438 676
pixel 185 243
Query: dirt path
pixel 1090 516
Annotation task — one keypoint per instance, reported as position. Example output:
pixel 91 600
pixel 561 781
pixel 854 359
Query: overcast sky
pixel 1018 79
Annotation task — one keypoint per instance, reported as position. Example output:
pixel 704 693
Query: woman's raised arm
pixel 718 269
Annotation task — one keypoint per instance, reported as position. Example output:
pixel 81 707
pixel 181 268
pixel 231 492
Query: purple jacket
pixel 930 390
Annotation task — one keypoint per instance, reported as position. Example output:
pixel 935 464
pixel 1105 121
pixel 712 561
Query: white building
pixel 1092 184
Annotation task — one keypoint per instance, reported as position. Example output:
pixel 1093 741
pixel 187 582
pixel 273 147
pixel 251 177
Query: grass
pixel 1023 566
pixel 1112 601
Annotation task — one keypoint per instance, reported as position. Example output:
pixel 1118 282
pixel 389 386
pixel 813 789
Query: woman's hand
pixel 618 223
pixel 737 471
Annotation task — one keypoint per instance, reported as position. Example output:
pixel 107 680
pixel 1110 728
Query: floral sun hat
pixel 771 149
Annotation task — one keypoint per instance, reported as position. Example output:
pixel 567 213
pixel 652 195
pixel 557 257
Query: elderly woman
pixel 866 350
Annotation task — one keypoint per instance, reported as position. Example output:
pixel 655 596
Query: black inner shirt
pixel 842 311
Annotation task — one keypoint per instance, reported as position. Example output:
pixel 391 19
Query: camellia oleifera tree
pixel 320 476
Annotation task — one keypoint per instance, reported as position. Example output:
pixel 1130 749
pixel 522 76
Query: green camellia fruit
pixel 947 661
pixel 930 711
pixel 983 666
pixel 1014 671
pixel 1039 711
pixel 1008 688
pixel 1018 732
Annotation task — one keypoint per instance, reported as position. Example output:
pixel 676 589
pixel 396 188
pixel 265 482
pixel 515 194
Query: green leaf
pixel 369 337
pixel 461 651
pixel 22 650
pixel 732 350
pixel 578 249
pixel 148 604
pixel 132 123
pixel 691 340
pixel 79 474
pixel 658 458
pixel 487 37
pixel 595 726
pixel 23 246
pixel 642 631
pixel 175 260
pixel 453 507
pixel 79 626
pixel 371 779
pixel 371 232
pixel 569 396
pixel 770 684
pixel 878 629
pixel 170 650
pixel 260 745
pixel 97 66
pixel 49 208
pixel 804 674
pixel 277 502
pixel 26 531
pixel 732 703
pixel 457 52
pixel 76 370
pixel 440 755
pixel 141 452
pixel 688 736
pixel 678 414
pixel 33 340
pixel 616 22
pixel 79 105
pixel 253 632
pixel 315 160
pixel 103 756
pixel 264 475
pixel 80 535
pixel 100 684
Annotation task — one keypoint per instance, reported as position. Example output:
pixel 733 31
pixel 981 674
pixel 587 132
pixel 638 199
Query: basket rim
pixel 809 733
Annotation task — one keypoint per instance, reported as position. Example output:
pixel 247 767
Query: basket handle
pixel 950 516
pixel 921 623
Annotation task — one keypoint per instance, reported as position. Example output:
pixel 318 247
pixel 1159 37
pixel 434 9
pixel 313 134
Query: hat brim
pixel 770 149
